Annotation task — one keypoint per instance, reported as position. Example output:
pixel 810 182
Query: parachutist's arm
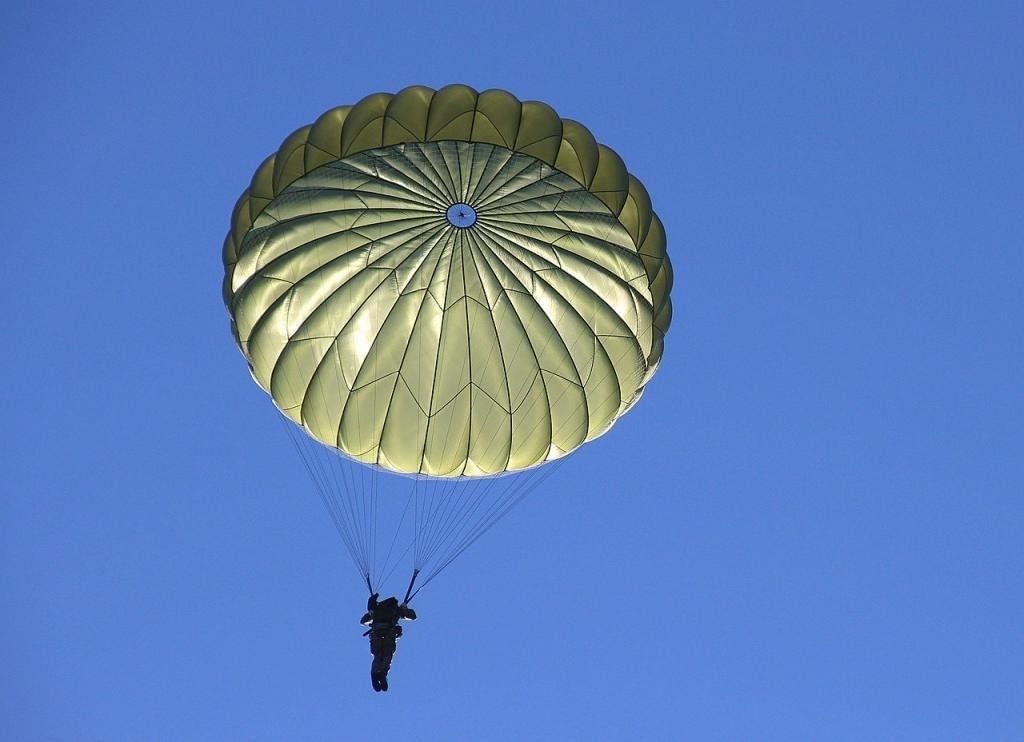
pixel 406 612
pixel 366 619
pixel 372 602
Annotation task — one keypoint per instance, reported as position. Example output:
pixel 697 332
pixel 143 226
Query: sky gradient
pixel 809 528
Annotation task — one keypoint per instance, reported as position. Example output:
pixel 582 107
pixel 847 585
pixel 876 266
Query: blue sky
pixel 810 526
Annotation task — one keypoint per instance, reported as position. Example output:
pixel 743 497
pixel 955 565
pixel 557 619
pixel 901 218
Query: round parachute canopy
pixel 447 282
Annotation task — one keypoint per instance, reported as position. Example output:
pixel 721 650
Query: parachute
pixel 455 287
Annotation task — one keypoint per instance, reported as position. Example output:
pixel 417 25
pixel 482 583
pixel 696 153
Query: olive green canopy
pixel 447 282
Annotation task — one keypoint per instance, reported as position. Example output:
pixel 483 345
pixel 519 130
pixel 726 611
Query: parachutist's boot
pixel 384 683
pixel 376 683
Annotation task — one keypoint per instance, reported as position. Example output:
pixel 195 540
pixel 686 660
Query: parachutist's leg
pixel 385 650
pixel 381 664
pixel 379 680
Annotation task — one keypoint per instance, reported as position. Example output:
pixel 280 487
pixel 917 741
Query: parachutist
pixel 382 617
pixel 371 283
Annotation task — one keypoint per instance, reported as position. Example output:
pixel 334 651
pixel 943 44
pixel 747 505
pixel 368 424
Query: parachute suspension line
pixel 443 504
pixel 378 565
pixel 322 469
pixel 366 499
pixel 449 514
pixel 348 499
pixel 342 495
pixel 344 504
pixel 452 498
pixel 398 561
pixel 376 517
pixel 442 501
pixel 353 518
pixel 448 535
pixel 515 493
pixel 453 523
pixel 318 476
pixel 345 497
pixel 394 539
pixel 408 591
pixel 469 502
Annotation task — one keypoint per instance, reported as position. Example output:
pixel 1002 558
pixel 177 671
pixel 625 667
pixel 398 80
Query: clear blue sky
pixel 809 529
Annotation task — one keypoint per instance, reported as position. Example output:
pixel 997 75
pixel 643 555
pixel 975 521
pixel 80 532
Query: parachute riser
pixel 409 593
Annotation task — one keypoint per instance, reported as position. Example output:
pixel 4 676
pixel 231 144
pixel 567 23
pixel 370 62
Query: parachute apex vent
pixel 461 215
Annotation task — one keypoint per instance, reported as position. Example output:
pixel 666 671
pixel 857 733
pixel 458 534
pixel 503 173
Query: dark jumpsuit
pixel 382 618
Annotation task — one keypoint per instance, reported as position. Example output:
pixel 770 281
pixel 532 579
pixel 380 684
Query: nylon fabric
pixel 406 342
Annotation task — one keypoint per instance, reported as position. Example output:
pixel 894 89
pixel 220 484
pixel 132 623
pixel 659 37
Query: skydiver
pixel 382 617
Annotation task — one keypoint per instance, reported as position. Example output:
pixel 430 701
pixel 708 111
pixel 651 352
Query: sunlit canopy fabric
pixel 448 283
